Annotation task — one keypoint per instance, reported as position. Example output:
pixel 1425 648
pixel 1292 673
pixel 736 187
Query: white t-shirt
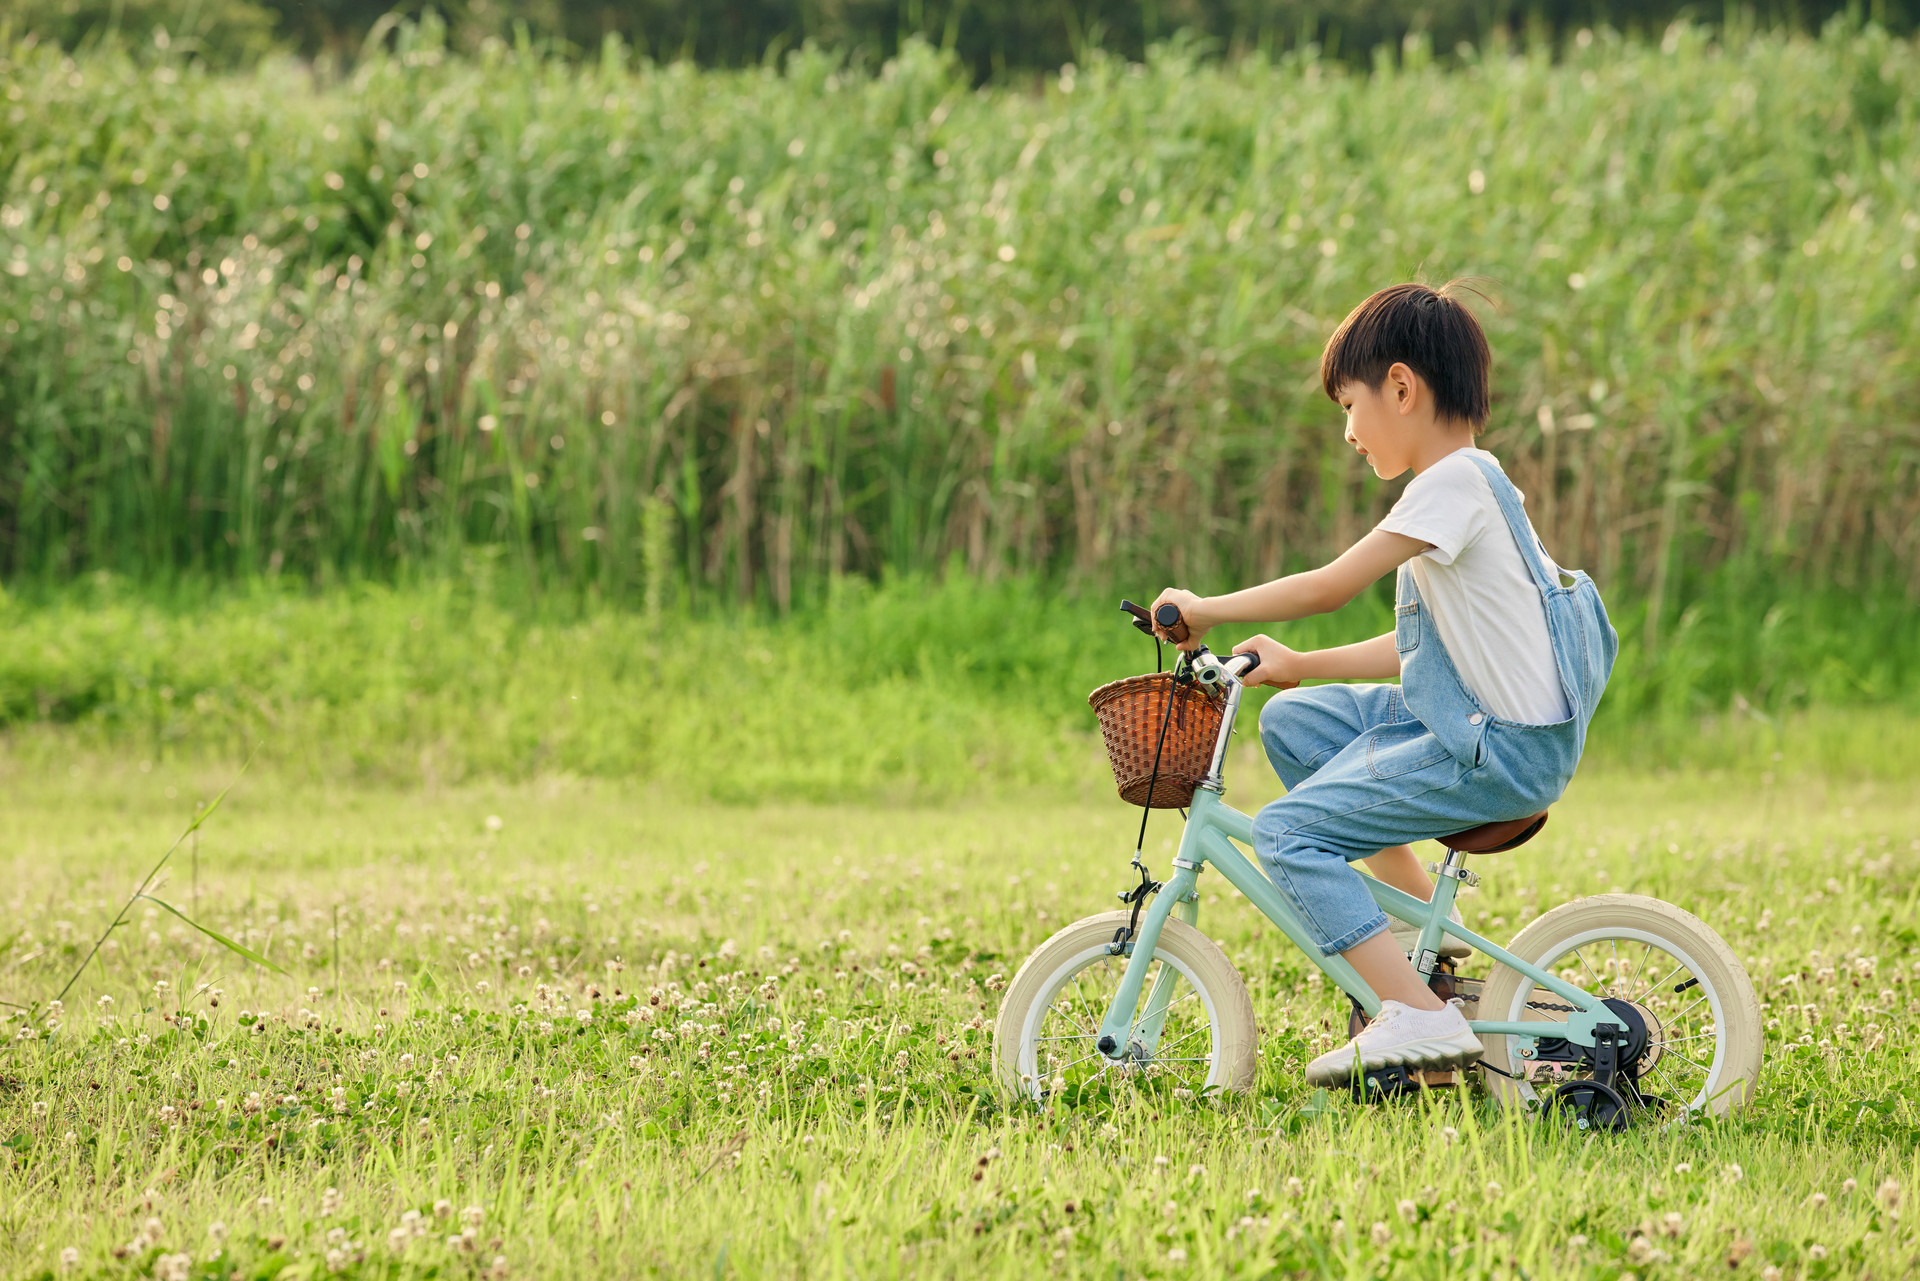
pixel 1478 589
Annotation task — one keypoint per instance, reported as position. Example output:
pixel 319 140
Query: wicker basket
pixel 1131 713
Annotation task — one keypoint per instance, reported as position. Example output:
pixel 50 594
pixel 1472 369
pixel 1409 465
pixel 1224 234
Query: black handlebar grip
pixel 1248 669
pixel 1168 616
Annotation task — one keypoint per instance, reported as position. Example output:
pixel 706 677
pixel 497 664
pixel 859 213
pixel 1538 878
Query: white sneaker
pixel 1407 935
pixel 1400 1036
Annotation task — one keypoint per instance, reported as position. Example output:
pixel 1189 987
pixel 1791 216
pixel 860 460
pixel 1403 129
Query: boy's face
pixel 1380 425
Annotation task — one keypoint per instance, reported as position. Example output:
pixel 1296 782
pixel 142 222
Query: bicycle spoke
pixel 1682 1014
pixel 1646 951
pixel 1170 1004
pixel 1684 1059
pixel 1072 1018
pixel 1083 1001
pixel 1580 956
pixel 1188 1037
pixel 1061 1071
pixel 1672 1083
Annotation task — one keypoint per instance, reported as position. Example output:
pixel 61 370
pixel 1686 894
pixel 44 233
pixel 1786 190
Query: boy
pixel 1500 667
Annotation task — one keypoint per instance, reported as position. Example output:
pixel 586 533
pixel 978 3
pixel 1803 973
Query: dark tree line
pixel 993 37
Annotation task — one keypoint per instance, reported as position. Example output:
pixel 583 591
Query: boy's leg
pixel 1398 867
pixel 1392 784
pixel 1303 729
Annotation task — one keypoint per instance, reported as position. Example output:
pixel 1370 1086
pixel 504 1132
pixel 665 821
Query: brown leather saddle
pixel 1492 838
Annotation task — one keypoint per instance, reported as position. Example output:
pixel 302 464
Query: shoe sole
pixel 1430 1054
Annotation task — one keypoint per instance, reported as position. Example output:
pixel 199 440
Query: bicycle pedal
pixel 1388 1083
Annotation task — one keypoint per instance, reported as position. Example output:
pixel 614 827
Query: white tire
pixel 1705 1051
pixel 1044 1038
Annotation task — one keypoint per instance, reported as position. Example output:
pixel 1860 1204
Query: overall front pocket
pixel 1391 755
pixel 1406 628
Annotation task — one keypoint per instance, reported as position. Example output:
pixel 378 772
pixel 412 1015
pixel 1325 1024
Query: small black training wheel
pixel 1591 1107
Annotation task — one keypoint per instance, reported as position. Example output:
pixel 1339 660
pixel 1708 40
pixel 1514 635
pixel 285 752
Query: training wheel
pixel 1590 1106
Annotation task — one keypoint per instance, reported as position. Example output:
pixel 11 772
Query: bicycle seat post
pixel 1451 874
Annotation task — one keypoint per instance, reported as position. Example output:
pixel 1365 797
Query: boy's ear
pixel 1402 388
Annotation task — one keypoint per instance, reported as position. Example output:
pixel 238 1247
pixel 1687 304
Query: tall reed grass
pixel 679 336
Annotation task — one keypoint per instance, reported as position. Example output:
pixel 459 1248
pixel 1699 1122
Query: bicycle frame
pixel 1212 831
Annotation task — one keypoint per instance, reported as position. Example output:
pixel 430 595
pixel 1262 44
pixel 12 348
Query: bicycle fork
pixel 1121 1035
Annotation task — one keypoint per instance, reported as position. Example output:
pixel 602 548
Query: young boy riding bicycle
pixel 1500 668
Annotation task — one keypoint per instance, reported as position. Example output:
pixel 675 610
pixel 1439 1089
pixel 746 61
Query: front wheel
pixel 1695 1017
pixel 1192 1031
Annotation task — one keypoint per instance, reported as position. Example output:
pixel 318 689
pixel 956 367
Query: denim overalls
pixel 1372 766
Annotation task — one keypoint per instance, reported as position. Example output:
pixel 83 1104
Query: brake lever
pixel 1141 618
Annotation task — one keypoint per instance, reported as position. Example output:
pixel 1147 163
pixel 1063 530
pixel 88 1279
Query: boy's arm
pixel 1317 591
pixel 1376 659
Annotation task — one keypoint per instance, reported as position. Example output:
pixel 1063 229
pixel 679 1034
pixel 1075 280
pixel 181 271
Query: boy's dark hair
pixel 1428 330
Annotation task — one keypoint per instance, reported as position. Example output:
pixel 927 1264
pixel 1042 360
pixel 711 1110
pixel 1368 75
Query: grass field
pixel 466 1080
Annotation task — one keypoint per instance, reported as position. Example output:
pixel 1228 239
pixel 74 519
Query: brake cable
pixel 1137 897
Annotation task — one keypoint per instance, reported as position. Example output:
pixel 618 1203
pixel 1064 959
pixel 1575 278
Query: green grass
pixel 849 1139
pixel 730 335
pixel 913 690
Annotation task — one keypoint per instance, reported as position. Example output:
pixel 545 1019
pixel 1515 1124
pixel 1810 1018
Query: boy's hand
pixel 1279 666
pixel 1189 606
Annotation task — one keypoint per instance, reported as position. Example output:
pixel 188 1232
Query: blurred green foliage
pixel 991 37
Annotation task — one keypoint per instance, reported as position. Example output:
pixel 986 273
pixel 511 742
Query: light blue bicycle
pixel 1605 1008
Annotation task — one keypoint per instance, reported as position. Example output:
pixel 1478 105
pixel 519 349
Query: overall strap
pixel 1545 573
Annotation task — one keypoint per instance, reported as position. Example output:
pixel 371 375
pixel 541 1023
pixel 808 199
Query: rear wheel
pixel 1665 970
pixel 1194 1037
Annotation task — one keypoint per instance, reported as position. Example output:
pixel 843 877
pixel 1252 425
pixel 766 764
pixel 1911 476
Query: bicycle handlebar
pixel 1168 617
